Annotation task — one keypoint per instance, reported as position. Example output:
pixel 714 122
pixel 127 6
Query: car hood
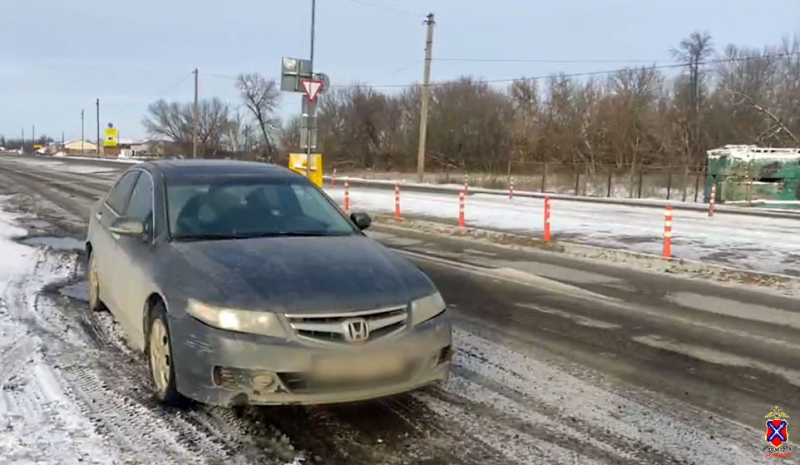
pixel 301 274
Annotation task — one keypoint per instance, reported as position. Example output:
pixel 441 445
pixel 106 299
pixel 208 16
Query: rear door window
pixel 118 198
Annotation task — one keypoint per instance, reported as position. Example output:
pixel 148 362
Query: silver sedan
pixel 245 284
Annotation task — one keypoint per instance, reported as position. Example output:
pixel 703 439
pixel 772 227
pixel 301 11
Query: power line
pixel 514 60
pixel 221 76
pixel 580 74
pixel 183 79
pixel 386 7
pixel 396 71
pixel 159 94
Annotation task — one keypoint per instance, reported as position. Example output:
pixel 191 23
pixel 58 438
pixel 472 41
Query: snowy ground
pixel 72 392
pixel 752 243
pixel 38 423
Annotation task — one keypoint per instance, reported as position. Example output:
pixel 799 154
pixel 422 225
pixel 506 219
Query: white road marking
pixel 736 309
pixel 579 319
pixel 717 357
pixel 515 276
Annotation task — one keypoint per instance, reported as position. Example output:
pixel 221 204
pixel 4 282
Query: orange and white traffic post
pixel 667 252
pixel 547 236
pixel 347 197
pixel 713 200
pixel 466 183
pixel 333 179
pixel 397 200
pixel 461 201
pixel 511 189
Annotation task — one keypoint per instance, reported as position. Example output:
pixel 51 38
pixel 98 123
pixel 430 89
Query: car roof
pixel 180 168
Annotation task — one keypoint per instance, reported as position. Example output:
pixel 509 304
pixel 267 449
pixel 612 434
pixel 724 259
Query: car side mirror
pixel 361 219
pixel 125 226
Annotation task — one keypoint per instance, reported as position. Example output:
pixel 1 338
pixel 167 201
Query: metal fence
pixel 680 183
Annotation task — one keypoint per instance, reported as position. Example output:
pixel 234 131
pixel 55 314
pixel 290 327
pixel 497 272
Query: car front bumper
pixel 201 353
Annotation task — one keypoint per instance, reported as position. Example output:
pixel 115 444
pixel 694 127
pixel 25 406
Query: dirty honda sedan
pixel 244 283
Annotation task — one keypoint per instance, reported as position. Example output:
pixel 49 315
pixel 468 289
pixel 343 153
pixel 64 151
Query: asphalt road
pixel 559 360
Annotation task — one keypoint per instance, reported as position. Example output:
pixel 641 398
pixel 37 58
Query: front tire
pixel 159 356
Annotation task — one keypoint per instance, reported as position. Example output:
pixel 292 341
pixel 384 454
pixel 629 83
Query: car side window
pixel 118 198
pixel 140 205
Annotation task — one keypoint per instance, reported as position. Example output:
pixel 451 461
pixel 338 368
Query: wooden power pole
pixel 195 114
pixel 98 127
pixel 426 90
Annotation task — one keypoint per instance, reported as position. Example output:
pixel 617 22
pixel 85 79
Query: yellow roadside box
pixel 112 137
pixel 297 163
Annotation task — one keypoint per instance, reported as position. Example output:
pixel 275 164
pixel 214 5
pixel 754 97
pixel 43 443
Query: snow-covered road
pixel 747 242
pixel 659 370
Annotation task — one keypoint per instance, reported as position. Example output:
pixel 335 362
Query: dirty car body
pixel 270 294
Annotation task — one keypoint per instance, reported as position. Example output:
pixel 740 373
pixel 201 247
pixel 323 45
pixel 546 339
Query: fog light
pixel 242 378
pixel 263 380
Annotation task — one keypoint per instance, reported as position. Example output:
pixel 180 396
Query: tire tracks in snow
pixel 14 358
pixel 108 390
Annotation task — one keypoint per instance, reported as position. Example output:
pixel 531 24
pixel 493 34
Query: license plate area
pixel 359 366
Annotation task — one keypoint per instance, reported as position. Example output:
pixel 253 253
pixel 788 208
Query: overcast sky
pixel 57 56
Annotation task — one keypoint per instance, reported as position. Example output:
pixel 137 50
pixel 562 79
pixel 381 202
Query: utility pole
pixel 311 118
pixel 22 144
pixel 33 135
pixel 62 140
pixel 195 114
pixel 98 127
pixel 83 137
pixel 426 90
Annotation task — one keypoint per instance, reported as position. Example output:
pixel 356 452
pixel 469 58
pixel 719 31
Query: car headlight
pixel 242 321
pixel 426 308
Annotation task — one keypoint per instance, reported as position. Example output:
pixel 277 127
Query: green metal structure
pixel 755 176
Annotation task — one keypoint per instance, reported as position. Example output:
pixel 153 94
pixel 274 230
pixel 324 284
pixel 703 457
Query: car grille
pixel 332 328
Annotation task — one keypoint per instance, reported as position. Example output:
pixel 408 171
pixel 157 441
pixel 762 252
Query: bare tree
pixel 261 96
pixel 694 52
pixel 630 121
pixel 173 121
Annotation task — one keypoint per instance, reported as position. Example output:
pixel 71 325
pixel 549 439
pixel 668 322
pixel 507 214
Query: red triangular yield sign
pixel 312 89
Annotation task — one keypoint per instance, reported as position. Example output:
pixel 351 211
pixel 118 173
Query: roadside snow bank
pixel 38 423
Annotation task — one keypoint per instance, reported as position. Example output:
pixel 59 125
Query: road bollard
pixel 333 179
pixel 347 197
pixel 397 200
pixel 547 236
pixel 511 190
pixel 667 252
pixel 712 201
pixel 461 201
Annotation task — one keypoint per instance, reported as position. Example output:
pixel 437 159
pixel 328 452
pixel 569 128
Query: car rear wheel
pixel 95 304
pixel 159 354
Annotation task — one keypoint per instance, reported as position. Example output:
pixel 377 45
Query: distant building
pixel 755 175
pixel 77 147
pixel 133 148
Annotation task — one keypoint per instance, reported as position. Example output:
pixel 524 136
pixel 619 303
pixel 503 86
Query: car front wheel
pixel 159 354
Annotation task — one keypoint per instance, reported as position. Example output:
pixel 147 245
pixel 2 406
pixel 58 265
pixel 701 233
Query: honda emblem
pixel 356 330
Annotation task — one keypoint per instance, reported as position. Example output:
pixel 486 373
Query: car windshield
pixel 236 207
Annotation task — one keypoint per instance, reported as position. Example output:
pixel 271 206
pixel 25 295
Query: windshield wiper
pixel 208 237
pixel 293 234
pixel 228 236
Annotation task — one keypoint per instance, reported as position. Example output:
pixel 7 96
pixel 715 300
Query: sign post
pixel 312 89
pixel 111 139
pixel 297 75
